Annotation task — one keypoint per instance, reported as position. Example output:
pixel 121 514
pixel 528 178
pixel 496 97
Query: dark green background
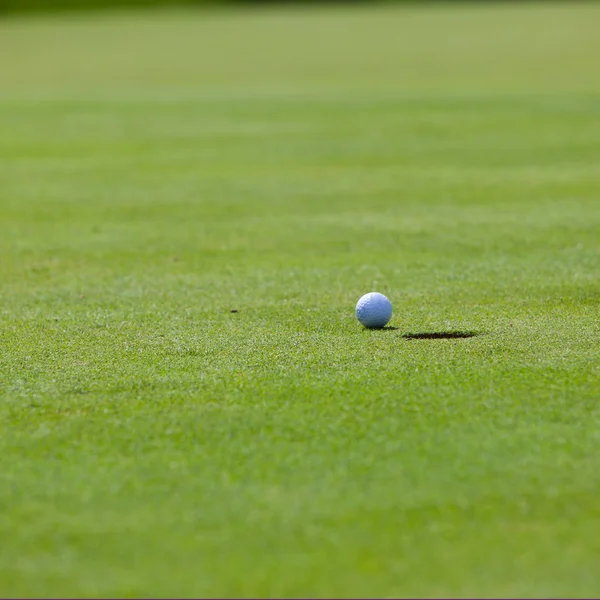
pixel 51 5
pixel 48 5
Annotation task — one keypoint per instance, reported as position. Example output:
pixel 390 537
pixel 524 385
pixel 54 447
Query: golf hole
pixel 440 335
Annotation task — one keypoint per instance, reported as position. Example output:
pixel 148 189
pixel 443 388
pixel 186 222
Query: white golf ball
pixel 374 310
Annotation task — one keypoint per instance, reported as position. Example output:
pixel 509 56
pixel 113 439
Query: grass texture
pixel 159 170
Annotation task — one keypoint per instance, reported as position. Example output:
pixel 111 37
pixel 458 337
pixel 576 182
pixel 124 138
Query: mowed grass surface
pixel 158 170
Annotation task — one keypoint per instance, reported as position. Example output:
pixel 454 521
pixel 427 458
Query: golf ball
pixel 374 310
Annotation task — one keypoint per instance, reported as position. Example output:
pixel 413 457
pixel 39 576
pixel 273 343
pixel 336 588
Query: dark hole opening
pixel 440 335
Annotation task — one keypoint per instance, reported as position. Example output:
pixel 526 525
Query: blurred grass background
pixel 16 6
pixel 46 5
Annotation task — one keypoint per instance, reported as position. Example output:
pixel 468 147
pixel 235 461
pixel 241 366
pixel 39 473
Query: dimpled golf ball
pixel 374 310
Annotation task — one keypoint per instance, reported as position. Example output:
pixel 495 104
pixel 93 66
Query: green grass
pixel 160 169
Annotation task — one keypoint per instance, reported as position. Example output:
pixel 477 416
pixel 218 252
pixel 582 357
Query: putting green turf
pixel 158 170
